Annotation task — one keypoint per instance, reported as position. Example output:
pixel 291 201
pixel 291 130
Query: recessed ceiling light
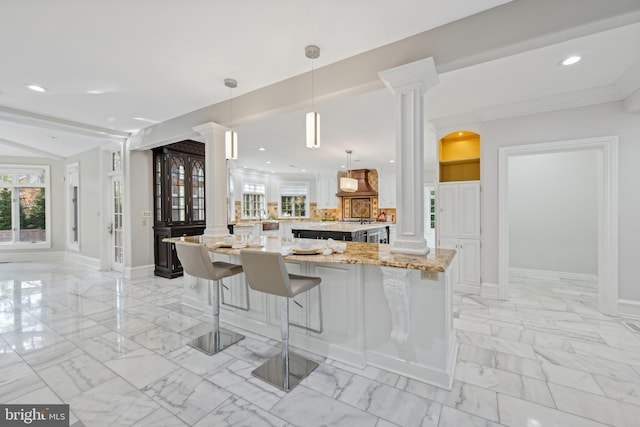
pixel 304 170
pixel 261 149
pixel 268 162
pixel 342 166
pixel 571 60
pixel 392 161
pixel 36 88
pixel 459 133
pixel 95 92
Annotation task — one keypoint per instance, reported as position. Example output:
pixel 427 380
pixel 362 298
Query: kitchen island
pixel 373 308
pixel 346 231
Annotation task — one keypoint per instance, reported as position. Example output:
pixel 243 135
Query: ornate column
pixel 409 83
pixel 215 173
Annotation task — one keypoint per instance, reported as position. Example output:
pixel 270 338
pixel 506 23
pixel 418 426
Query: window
pixel 253 200
pixel 293 200
pixel 24 206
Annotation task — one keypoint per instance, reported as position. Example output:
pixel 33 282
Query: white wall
pixel 90 198
pixel 553 216
pixel 139 178
pixel 576 123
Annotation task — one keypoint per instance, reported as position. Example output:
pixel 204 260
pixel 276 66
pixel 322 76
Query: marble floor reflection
pixel 115 351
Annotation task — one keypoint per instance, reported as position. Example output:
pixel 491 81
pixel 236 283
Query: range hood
pixel 364 189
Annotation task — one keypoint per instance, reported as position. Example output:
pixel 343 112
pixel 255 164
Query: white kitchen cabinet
pixel 387 189
pixel 458 227
pixel 465 269
pixel 327 189
pixel 459 209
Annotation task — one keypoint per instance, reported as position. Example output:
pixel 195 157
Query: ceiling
pixel 149 61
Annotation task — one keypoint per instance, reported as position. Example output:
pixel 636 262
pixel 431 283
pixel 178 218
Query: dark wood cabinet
pixel 178 200
pixel 374 235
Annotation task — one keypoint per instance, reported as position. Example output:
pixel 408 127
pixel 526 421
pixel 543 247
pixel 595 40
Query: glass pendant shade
pixel 348 185
pixel 231 145
pixel 313 130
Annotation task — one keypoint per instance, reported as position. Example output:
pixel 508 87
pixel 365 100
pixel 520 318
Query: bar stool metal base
pixel 208 345
pixel 273 370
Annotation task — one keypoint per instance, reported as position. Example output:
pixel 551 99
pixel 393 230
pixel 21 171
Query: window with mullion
pixel 253 196
pixel 293 199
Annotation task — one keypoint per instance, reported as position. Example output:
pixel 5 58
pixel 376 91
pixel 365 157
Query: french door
pixel 116 225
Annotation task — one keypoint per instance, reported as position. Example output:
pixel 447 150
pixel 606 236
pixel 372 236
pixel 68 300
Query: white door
pixel 469 261
pixel 116 225
pixel 448 209
pixel 469 203
pixel 430 215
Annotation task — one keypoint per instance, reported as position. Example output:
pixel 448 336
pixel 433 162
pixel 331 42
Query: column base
pixel 410 247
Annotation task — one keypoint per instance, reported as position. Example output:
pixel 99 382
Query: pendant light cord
pixel 231 106
pixel 312 94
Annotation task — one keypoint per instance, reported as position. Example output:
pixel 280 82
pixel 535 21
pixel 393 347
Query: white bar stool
pixel 266 272
pixel 195 260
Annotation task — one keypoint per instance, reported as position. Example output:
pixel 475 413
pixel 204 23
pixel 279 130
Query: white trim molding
pixel 629 309
pixel 489 290
pixel 76 258
pixel 607 148
pixel 548 274
pixel 139 272
pixel 49 256
pixel 467 289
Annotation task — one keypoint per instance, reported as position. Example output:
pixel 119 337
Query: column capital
pixel 422 72
pixel 209 129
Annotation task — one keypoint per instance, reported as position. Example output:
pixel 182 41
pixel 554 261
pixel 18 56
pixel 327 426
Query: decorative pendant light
pixel 348 184
pixel 313 118
pixel 230 136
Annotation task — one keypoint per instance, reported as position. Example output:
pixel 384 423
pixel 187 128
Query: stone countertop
pixel 437 260
pixel 347 227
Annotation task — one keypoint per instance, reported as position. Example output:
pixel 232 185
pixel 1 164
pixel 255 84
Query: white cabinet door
pixel 469 209
pixel 469 263
pixel 327 189
pixel 448 210
pixel 454 268
pixel 387 190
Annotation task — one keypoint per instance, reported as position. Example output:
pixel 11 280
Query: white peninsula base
pixel 397 319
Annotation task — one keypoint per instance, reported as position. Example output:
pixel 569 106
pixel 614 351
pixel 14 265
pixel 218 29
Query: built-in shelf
pixel 460 157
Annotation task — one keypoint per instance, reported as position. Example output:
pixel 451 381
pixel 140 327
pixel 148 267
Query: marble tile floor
pixel 115 351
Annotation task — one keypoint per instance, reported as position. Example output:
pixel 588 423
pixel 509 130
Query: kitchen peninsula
pixel 373 308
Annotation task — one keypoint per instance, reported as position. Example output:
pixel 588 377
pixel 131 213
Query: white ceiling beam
pixel 38 120
pixel 28 149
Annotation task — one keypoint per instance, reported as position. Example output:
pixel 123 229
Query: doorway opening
pixel 604 195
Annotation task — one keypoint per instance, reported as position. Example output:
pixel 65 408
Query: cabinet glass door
pixel 178 204
pixel 197 190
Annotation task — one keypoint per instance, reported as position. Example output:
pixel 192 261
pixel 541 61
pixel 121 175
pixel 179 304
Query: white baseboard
pixel 467 289
pixel 76 258
pixel 489 290
pixel 51 256
pixel 548 274
pixel 140 272
pixel 629 309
